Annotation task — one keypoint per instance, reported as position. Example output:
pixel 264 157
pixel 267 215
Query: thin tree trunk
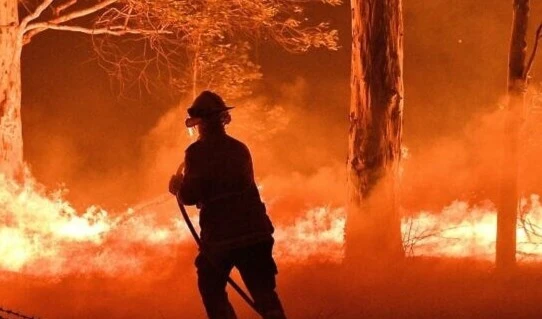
pixel 195 76
pixel 373 230
pixel 11 141
pixel 508 206
pixel 195 67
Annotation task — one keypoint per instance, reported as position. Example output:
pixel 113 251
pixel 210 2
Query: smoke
pixel 47 236
pixel 288 163
pixel 464 166
pixel 467 164
pixel 139 262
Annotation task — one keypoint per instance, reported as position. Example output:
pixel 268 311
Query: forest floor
pixel 418 288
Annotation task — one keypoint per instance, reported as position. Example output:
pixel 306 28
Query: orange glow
pixel 317 236
pixel 191 132
pixel 461 230
pixel 44 235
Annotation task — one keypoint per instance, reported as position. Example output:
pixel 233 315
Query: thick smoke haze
pixel 79 133
pixel 118 152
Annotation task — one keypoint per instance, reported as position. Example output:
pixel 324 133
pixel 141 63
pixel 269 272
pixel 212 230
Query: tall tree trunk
pixel 373 231
pixel 11 141
pixel 196 66
pixel 517 82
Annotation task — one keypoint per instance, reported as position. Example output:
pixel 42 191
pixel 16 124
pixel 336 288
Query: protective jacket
pixel 219 178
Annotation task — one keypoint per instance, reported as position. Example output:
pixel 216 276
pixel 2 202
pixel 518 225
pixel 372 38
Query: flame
pixel 42 234
pixel 461 230
pixel 317 236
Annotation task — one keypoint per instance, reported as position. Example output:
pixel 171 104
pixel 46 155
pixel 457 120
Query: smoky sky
pixel 79 132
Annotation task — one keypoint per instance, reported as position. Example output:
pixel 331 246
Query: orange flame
pixel 461 230
pixel 42 234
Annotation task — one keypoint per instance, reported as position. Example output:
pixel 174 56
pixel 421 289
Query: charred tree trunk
pixel 373 230
pixel 517 82
pixel 11 141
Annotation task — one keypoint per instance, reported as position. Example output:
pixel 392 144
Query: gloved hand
pixel 175 183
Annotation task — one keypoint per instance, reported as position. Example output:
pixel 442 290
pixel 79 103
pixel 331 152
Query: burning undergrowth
pixel 463 230
pixel 43 235
pixel 304 189
pixel 450 186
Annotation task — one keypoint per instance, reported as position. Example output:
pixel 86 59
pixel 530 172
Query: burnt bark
pixel 509 194
pixel 11 141
pixel 373 230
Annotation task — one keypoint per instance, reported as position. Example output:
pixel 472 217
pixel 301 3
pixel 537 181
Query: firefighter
pixel 235 228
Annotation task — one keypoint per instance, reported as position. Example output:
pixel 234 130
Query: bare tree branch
pixel 25 6
pixel 83 12
pixel 114 30
pixel 34 15
pixel 128 15
pixel 72 15
pixel 533 53
pixel 35 28
pixel 58 10
pixel 225 27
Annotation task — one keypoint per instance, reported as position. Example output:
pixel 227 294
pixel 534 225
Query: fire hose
pixel 197 239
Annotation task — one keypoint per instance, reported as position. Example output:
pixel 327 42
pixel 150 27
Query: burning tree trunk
pixel 11 141
pixel 373 226
pixel 517 82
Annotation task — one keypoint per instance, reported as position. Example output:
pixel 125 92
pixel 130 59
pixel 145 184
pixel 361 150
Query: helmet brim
pixel 196 119
pixel 202 113
pixel 192 121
